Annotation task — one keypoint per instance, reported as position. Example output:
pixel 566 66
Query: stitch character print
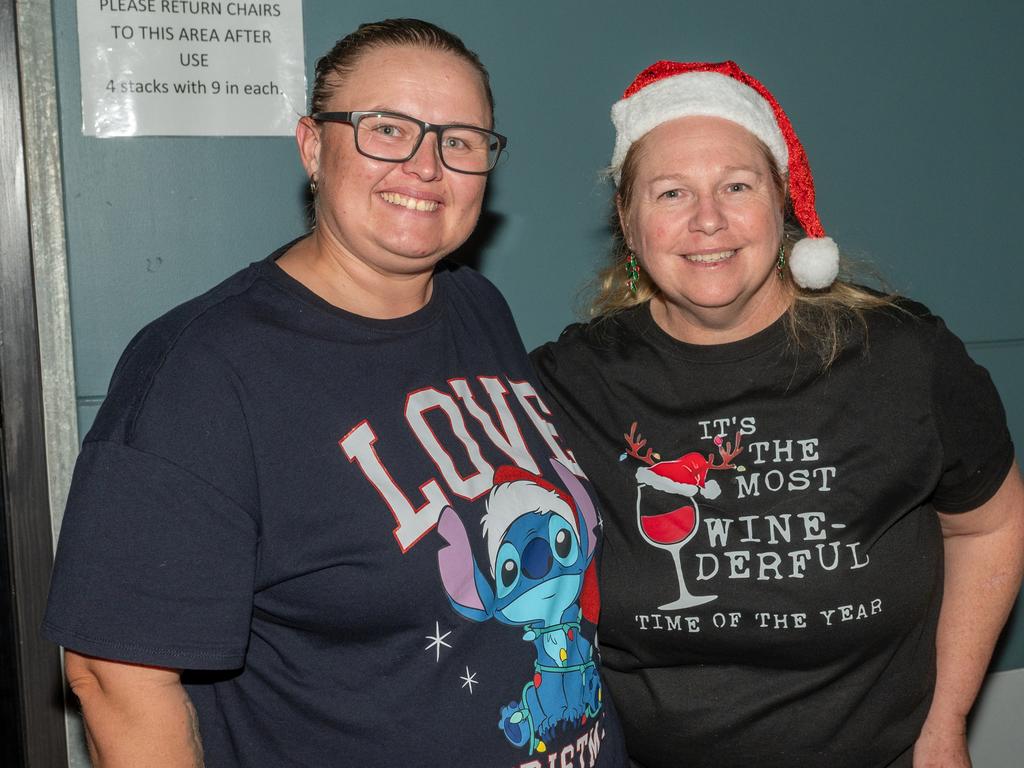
pixel 540 543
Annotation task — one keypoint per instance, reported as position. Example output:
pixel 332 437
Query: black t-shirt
pixel 773 563
pixel 362 539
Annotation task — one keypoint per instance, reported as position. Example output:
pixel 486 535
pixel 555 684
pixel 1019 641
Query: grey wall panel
pixel 996 738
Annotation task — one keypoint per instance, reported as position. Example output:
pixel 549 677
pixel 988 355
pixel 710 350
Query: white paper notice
pixel 191 67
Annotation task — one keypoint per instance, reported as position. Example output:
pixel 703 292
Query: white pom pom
pixel 711 490
pixel 814 262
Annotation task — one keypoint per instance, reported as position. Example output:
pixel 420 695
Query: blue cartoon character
pixel 540 544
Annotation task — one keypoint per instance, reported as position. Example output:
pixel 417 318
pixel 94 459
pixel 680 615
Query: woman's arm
pixel 134 715
pixel 984 552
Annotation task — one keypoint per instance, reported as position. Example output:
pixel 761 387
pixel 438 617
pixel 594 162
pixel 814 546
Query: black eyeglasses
pixel 395 138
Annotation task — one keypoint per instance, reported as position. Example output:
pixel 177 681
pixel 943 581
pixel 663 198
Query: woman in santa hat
pixel 832 594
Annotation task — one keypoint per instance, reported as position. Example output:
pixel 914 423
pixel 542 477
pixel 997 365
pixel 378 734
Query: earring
pixel 780 262
pixel 632 272
pixel 313 185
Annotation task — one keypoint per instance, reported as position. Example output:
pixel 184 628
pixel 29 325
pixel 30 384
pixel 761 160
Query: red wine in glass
pixel 671 531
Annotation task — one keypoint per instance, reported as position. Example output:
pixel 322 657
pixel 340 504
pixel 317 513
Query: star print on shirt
pixel 469 680
pixel 437 640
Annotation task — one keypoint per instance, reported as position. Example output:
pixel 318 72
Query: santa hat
pixel 685 476
pixel 515 493
pixel 668 90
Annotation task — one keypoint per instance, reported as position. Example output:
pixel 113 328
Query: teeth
pixel 411 203
pixel 706 258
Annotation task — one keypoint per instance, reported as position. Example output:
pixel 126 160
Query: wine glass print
pixel 667 513
pixel 664 485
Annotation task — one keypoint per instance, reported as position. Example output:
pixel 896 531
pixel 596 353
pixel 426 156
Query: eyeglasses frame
pixel 353 118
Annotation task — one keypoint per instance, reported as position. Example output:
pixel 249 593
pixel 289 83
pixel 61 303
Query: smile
pixel 412 203
pixel 710 258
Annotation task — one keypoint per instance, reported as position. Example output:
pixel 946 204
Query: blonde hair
pixel 820 321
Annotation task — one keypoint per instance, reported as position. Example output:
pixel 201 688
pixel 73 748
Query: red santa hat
pixel 668 90
pixel 685 476
pixel 515 493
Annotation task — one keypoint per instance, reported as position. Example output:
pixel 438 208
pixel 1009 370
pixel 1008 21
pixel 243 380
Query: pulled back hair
pixel 818 321
pixel 339 62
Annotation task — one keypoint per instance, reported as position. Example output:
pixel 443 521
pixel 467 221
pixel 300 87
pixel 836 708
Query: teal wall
pixel 910 113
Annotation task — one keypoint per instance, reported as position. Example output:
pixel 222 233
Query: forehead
pixel 701 143
pixel 432 85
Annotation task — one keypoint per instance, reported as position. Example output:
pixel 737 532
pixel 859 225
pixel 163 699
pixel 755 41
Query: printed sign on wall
pixel 191 67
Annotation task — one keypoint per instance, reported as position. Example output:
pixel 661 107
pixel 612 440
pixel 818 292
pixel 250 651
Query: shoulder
pixel 465 283
pixel 203 315
pixel 600 348
pixel 604 338
pixel 184 349
pixel 905 323
pixel 479 304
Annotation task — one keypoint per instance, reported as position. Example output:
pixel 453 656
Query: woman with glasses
pixel 322 517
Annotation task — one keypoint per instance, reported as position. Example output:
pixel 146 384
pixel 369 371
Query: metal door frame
pixel 38 428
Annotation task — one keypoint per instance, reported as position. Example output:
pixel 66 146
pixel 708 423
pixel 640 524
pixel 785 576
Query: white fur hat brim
pixel 707 94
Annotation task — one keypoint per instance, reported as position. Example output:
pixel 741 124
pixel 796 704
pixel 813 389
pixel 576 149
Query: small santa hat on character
pixel 685 476
pixel 668 90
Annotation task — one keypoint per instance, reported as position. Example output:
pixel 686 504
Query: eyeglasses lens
pixel 387 137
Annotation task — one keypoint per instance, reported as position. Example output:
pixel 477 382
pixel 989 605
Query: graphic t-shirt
pixel 363 540
pixel 773 561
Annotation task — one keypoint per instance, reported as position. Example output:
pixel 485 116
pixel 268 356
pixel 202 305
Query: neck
pixel 352 284
pixel 719 325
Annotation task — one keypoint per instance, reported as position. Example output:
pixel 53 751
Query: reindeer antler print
pixel 635 443
pixel 728 452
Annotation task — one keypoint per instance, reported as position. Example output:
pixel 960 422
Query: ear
pixel 621 211
pixel 307 136
pixel 584 505
pixel 467 589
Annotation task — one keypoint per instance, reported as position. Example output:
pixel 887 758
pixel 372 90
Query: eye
pixel 388 130
pixel 737 186
pixel 507 570
pixel 564 545
pixel 465 140
pixel 672 194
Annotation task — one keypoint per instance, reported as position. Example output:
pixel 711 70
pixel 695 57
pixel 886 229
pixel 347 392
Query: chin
pixel 415 251
pixel 414 264
pixel 713 299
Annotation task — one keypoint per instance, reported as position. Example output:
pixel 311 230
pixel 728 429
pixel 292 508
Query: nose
pixel 426 161
pixel 536 560
pixel 708 216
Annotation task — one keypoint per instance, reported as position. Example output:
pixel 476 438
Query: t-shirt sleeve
pixel 976 445
pixel 557 386
pixel 157 552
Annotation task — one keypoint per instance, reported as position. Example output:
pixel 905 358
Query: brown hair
pixel 817 320
pixel 339 62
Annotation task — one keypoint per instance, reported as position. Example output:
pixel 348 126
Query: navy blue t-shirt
pixel 363 540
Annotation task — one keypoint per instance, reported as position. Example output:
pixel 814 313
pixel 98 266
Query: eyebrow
pixel 723 169
pixel 747 168
pixel 667 177
pixel 400 112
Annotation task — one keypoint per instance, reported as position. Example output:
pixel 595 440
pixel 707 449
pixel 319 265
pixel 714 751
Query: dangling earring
pixel 632 272
pixel 313 185
pixel 780 263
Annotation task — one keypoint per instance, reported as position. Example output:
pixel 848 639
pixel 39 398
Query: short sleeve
pixel 157 553
pixel 976 446
pixel 153 566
